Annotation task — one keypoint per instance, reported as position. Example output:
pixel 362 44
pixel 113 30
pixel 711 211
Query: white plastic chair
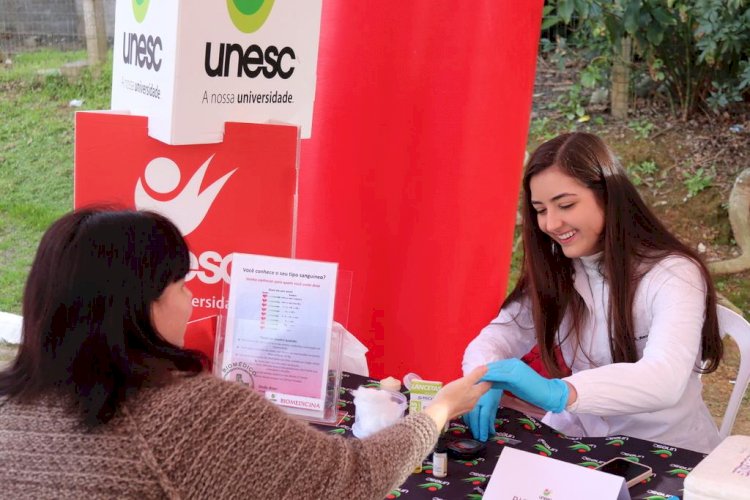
pixel 737 327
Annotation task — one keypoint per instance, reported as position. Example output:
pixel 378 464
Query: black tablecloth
pixel 468 478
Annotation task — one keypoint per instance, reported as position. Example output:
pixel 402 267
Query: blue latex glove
pixel 518 377
pixel 481 419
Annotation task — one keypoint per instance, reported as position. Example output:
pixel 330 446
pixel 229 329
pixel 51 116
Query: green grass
pixel 36 155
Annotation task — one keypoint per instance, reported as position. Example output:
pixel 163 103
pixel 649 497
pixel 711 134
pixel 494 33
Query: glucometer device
pixel 465 449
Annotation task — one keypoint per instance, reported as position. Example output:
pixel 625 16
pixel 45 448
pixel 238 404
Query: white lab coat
pixel 657 398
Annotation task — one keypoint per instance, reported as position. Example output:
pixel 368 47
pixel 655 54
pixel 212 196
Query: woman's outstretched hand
pixel 458 397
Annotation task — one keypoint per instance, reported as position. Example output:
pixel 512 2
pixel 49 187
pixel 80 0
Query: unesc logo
pixel 248 15
pixel 189 207
pixel 252 61
pixel 140 8
pixel 139 49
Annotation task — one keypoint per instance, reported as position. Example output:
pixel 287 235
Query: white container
pixel 724 474
pixel 376 409
pixel 192 65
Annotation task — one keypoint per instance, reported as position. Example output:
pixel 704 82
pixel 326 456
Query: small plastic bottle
pixel 440 459
pixel 409 377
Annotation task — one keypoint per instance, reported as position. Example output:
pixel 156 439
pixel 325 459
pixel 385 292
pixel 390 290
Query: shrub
pixel 699 49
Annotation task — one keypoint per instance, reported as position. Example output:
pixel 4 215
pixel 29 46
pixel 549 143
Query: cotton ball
pixel 375 410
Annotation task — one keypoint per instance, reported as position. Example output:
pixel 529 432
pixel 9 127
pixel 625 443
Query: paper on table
pixel 279 328
pixel 520 474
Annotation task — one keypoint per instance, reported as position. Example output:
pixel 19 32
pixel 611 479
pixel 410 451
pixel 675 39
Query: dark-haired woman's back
pixel 102 401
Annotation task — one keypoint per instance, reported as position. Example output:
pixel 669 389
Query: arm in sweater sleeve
pixel 510 335
pixel 676 293
pixel 220 440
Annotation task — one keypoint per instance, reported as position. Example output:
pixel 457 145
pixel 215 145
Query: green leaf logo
pixel 590 464
pixel 431 486
pixel 580 448
pixel 476 481
pixel 662 453
pixel 679 472
pixel 543 450
pixel 249 15
pixel 615 442
pixel 498 439
pixel 468 463
pixel 140 7
pixel 527 424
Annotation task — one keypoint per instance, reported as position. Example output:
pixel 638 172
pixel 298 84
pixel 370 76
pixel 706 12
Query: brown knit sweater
pixel 198 437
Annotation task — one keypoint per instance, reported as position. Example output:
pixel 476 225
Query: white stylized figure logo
pixel 186 209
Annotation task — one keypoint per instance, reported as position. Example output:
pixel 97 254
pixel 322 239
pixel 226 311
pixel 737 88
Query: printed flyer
pixel 278 329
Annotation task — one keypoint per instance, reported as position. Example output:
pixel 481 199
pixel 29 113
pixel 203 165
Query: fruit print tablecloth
pixel 467 479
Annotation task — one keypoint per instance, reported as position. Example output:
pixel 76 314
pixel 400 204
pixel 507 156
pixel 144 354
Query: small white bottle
pixel 440 459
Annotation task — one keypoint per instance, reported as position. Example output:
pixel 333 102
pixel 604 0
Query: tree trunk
pixel 621 80
pixel 739 219
pixel 96 34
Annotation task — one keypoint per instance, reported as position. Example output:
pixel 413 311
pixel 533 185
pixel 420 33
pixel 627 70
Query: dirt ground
pixel 717 143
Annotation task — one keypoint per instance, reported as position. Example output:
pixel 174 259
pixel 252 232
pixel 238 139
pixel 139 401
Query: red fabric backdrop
pixel 412 174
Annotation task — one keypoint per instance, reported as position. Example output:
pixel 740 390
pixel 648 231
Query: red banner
pixel 412 174
pixel 235 196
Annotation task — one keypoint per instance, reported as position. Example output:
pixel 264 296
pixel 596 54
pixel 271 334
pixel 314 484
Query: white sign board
pixel 520 475
pixel 191 65
pixel 278 331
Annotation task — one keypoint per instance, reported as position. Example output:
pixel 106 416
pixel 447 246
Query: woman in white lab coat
pixel 631 308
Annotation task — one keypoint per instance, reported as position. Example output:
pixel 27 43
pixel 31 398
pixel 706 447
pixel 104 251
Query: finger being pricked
pixel 480 388
pixel 496 376
pixel 476 374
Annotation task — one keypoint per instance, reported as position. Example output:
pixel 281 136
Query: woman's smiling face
pixel 568 212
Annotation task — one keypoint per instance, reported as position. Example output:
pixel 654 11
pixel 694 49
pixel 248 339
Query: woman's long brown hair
pixel 633 241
